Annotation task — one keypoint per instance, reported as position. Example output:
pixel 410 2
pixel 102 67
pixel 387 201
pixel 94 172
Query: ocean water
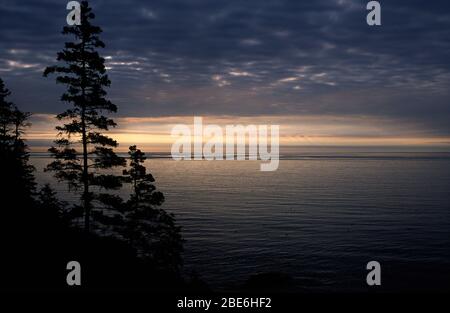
pixel 320 218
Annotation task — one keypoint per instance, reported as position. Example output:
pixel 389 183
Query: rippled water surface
pixel 319 219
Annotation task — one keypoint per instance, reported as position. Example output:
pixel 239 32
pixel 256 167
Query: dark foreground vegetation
pixel 39 235
pixel 120 243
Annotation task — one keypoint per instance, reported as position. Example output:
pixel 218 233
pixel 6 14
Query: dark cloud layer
pixel 182 57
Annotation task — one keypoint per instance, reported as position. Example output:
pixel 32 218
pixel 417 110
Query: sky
pixel 313 67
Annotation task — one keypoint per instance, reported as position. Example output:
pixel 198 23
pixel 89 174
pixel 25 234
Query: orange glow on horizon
pixel 154 133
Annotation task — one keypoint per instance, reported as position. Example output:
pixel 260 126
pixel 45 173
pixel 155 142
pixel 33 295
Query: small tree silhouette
pixel 150 229
pixel 144 191
pixel 84 74
pixel 50 203
pixel 13 150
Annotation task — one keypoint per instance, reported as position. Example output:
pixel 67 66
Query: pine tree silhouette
pixel 144 191
pixel 85 76
pixel 150 229
pixel 6 109
pixel 17 172
pixel 50 203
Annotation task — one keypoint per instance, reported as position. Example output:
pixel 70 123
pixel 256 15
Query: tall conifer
pixel 82 148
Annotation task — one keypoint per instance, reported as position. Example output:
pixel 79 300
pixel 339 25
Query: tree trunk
pixel 86 200
pixel 86 196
